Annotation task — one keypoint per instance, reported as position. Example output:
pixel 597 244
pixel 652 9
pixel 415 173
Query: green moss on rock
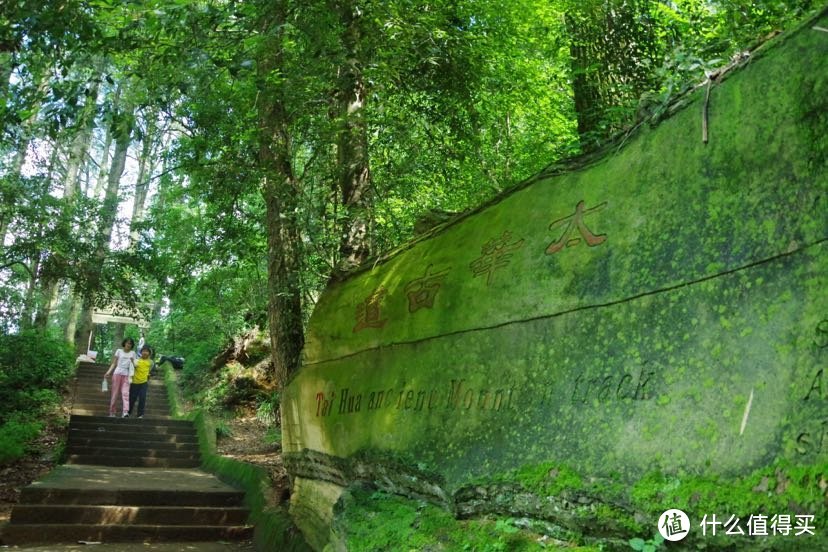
pixel 376 521
pixel 677 355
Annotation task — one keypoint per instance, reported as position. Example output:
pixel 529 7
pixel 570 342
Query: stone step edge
pixel 127 436
pixel 131 445
pixel 145 424
pixel 37 533
pixel 132 497
pixel 72 514
pixel 130 452
pixel 131 462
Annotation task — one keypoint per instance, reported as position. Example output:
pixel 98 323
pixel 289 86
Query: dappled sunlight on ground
pixel 252 441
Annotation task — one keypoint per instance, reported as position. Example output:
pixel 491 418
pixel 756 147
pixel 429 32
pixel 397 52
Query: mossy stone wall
pixel 664 308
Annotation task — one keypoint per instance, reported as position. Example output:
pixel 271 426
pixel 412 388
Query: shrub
pixel 33 369
pixel 14 435
pixel 268 410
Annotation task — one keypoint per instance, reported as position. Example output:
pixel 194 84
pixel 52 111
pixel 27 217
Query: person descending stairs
pixel 127 479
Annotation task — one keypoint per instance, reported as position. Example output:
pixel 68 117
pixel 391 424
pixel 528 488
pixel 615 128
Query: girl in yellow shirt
pixel 138 387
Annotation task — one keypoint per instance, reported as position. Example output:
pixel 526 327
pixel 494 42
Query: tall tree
pixel 123 122
pixel 353 159
pixel 615 51
pixel 52 265
pixel 280 190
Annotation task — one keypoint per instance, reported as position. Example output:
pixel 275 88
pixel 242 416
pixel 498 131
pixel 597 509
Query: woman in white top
pixel 121 370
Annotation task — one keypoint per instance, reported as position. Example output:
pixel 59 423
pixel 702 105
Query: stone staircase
pixel 148 443
pixel 127 480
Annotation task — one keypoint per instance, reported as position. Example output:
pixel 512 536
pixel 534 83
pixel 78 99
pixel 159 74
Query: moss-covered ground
pixel 373 520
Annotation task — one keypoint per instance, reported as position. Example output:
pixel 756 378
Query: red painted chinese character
pixel 368 311
pixel 572 222
pixel 421 291
pixel 496 253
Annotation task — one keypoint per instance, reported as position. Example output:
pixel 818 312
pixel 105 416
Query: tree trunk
pixel 352 141
pixel 28 124
pixel 109 211
pixel 614 53
pixel 77 154
pixel 49 298
pixel 6 67
pixel 280 192
pixel 142 182
pixel 103 164
pixel 74 311
pixel 583 30
pixel 80 144
pixel 28 303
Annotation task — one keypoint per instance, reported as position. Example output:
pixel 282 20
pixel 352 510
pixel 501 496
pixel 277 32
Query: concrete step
pixel 147 452
pixel 137 433
pixel 133 424
pixel 128 435
pixel 95 394
pixel 132 461
pixel 93 383
pixel 178 497
pixel 89 375
pixel 93 365
pixel 107 419
pixel 57 533
pixel 100 411
pixel 93 387
pixel 151 402
pixel 118 504
pixel 135 445
pixel 96 405
pixel 137 515
pixel 104 398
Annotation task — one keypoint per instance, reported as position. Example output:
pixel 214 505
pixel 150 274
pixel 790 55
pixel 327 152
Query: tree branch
pixel 17 262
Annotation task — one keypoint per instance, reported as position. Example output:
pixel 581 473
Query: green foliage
pixel 34 368
pixel 268 410
pixel 548 478
pixel 771 489
pixel 649 545
pixel 459 102
pixel 230 389
pixel 630 56
pixel 206 313
pixel 273 436
pixel 223 430
pixel 173 391
pixel 15 433
pixel 778 488
pixel 374 520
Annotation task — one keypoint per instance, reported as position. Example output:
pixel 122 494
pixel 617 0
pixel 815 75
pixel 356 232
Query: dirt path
pixel 250 441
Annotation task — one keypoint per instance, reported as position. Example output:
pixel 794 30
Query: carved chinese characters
pixel 422 291
pixel 368 312
pixel 574 222
pixel 495 253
